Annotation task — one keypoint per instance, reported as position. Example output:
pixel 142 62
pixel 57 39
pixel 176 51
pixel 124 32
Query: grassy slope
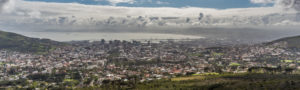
pixel 244 81
pixel 293 42
pixel 13 41
pixel 228 82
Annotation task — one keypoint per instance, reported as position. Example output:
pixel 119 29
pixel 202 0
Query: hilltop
pixel 288 42
pixel 17 42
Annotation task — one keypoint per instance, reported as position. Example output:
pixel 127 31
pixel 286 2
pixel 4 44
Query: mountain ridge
pixel 287 42
pixel 17 42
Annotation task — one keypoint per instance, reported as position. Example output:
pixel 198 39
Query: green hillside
pixel 16 42
pixel 227 82
pixel 230 81
pixel 292 42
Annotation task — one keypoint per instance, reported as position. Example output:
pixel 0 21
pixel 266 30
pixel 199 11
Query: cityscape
pixel 149 45
pixel 86 63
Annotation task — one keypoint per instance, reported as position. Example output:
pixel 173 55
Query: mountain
pixel 288 42
pixel 16 42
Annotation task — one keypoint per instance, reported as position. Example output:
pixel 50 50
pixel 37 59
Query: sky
pixel 148 16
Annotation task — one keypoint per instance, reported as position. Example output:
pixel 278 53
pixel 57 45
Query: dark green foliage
pixel 47 77
pixel 13 41
pixel 247 81
pixel 22 82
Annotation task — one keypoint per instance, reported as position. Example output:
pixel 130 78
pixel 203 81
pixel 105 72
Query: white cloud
pixel 7 6
pixel 3 3
pixel 160 2
pixel 288 4
pixel 263 1
pixel 115 2
pixel 45 16
pixel 293 4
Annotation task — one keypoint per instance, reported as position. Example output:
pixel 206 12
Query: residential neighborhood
pixel 92 63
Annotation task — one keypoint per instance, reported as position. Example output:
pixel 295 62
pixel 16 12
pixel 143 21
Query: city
pixel 85 63
pixel 149 44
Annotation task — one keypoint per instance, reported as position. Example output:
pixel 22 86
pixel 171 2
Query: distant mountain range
pixel 16 42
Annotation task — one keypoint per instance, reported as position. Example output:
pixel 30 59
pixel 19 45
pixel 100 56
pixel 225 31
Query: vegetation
pixel 292 42
pixel 217 54
pixel 234 64
pixel 206 81
pixel 21 43
pixel 287 61
pixel 244 81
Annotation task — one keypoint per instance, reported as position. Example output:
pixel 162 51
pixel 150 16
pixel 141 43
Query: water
pixel 71 36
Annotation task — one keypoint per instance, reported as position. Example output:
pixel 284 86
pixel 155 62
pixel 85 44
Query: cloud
pixel 288 4
pixel 45 16
pixel 3 2
pixel 263 1
pixel 160 2
pixel 293 4
pixel 7 5
pixel 115 2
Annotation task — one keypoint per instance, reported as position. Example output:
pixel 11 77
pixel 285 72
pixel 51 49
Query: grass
pixel 224 81
pixel 228 81
pixel 2 63
pixel 70 80
pixel 196 77
pixel 188 78
pixel 234 64
pixel 196 54
pixel 70 83
pixel 212 73
pixel 287 61
pixel 217 54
